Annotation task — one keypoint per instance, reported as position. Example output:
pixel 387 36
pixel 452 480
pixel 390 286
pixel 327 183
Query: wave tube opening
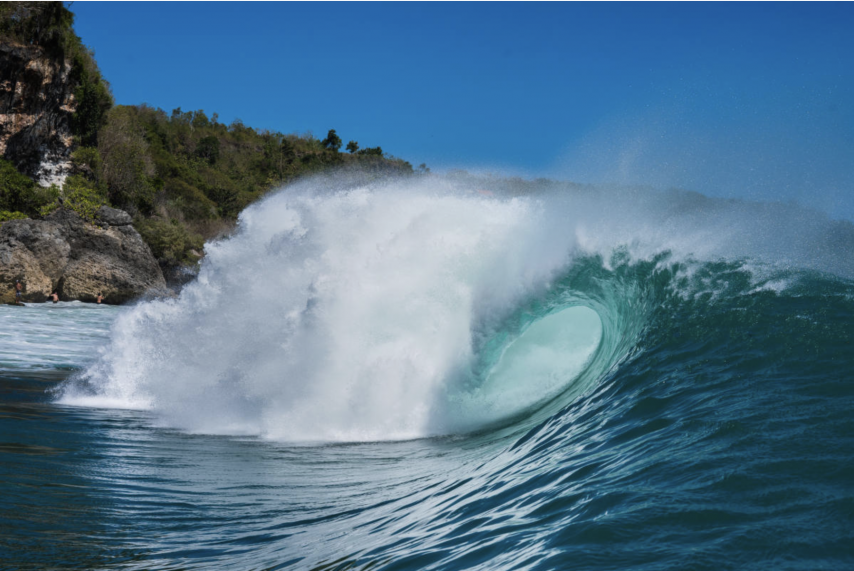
pixel 519 376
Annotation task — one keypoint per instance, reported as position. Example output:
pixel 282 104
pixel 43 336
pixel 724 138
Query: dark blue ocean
pixel 407 379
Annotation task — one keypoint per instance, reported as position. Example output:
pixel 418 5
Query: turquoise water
pixel 699 419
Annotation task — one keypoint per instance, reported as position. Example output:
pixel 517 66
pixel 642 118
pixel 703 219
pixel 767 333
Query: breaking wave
pixel 399 310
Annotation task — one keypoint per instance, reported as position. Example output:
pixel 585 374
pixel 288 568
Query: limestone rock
pixel 76 259
pixel 107 216
pixel 36 104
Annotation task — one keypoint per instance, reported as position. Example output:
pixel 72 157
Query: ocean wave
pixel 404 310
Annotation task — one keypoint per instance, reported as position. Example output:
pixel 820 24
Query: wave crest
pixel 405 310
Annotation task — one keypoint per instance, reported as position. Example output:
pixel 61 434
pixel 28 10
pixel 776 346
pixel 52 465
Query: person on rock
pixel 19 290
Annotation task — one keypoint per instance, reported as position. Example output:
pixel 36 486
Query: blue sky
pixel 750 100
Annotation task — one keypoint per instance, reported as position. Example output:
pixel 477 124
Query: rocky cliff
pixel 76 259
pixel 36 104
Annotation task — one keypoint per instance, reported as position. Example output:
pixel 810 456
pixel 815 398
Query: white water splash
pixel 330 317
pixel 355 315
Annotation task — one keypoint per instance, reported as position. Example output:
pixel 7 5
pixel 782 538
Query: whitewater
pixel 437 374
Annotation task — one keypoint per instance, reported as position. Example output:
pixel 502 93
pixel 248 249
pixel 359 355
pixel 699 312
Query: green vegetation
pixel 20 197
pixel 5 216
pixel 170 241
pixel 332 141
pixel 79 195
pixel 192 168
pixel 92 95
pixel 183 176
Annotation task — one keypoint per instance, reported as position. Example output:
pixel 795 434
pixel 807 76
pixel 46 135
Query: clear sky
pixel 750 100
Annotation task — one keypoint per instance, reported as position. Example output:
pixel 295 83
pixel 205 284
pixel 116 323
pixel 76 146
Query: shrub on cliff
pixel 5 216
pixel 170 241
pixel 14 187
pixel 19 194
pixel 77 194
pixel 83 197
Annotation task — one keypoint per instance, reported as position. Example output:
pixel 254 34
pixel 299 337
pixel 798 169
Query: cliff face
pixel 62 253
pixel 36 104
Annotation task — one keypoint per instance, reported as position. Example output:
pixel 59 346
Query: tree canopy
pixel 332 141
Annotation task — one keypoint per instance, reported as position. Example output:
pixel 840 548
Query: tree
pixel 287 153
pixel 372 152
pixel 93 97
pixel 352 146
pixel 127 165
pixel 208 148
pixel 287 149
pixel 332 141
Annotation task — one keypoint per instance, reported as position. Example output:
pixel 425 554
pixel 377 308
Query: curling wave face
pixel 406 310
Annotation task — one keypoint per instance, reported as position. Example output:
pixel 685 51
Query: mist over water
pixel 404 309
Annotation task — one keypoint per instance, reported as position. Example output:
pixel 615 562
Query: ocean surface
pixel 423 376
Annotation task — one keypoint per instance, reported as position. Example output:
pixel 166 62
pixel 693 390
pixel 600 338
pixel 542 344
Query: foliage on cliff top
pixel 190 170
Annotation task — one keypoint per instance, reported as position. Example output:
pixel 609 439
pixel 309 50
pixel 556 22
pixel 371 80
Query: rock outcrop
pixel 76 259
pixel 36 105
